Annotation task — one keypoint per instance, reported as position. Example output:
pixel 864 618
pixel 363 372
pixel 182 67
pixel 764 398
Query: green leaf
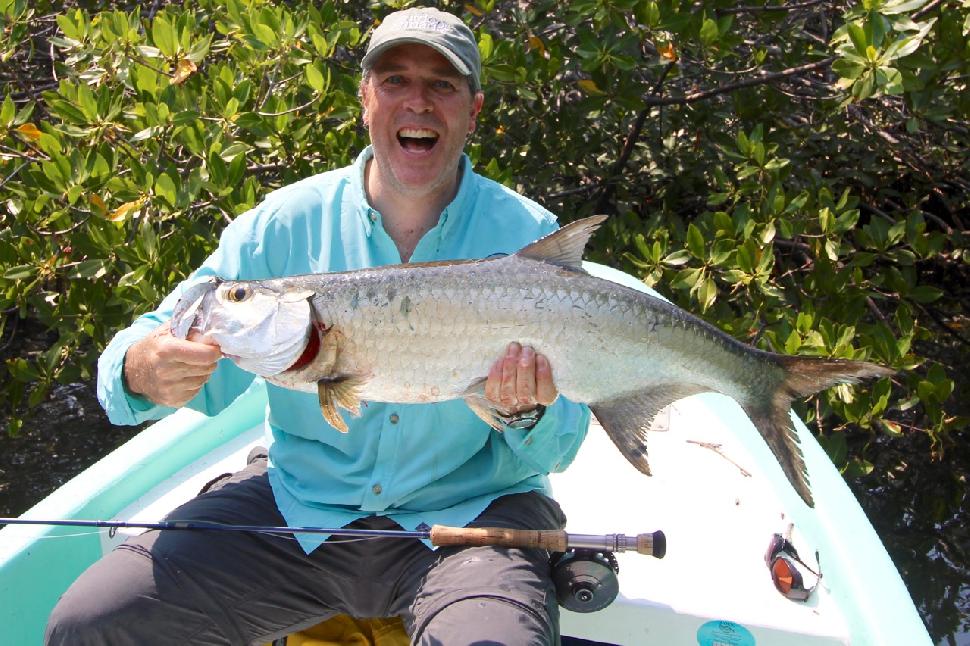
pixel 687 278
pixel 890 80
pixel 7 112
pixel 68 27
pixel 925 294
pixel 485 46
pixel 901 6
pixel 20 271
pixel 858 36
pixel 22 370
pixel 265 34
pixel 847 69
pixel 709 32
pixel 707 293
pixel 93 268
pixel 163 35
pixel 695 241
pixel 314 77
pixel 149 52
pixel 677 258
pixel 744 146
pixel 863 88
pixel 903 46
pixel 769 232
pixel 165 189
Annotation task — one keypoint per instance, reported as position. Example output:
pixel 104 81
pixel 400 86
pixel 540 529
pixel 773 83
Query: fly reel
pixel 585 579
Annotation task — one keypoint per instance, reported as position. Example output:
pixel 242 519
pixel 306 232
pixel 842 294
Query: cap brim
pixel 371 56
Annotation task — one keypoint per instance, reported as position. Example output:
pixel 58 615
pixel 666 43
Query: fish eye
pixel 238 294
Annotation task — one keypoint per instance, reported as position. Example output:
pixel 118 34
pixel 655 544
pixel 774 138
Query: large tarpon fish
pixel 430 332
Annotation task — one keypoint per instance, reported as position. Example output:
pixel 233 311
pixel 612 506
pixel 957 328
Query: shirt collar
pixel 368 215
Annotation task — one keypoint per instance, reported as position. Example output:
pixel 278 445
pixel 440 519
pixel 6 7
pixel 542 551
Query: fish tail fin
pixel 806 376
pixel 803 376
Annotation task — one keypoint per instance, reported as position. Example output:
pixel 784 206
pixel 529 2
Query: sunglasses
pixel 781 558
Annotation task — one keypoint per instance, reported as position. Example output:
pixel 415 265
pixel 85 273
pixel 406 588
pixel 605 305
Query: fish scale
pixel 430 332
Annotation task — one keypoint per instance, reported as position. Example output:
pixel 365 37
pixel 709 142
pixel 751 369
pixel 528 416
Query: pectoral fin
pixel 627 419
pixel 484 408
pixel 340 392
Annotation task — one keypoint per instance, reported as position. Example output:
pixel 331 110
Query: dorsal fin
pixel 565 246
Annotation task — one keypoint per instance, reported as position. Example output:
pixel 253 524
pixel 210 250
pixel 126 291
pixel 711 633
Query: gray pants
pixel 198 587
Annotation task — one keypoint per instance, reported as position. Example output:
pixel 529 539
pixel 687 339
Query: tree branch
pixel 629 144
pixel 762 79
pixel 771 8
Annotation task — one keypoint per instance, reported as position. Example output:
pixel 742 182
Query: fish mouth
pixel 417 140
pixel 190 308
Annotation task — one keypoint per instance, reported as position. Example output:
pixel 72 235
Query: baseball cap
pixel 443 31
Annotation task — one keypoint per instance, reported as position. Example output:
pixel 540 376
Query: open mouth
pixel 417 139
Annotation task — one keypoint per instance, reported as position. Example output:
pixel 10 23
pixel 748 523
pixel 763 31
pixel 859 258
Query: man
pixel 410 196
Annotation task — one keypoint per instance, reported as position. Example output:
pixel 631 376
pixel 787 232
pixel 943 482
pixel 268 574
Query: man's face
pixel 419 111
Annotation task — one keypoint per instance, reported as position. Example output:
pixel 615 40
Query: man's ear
pixel 362 93
pixel 477 101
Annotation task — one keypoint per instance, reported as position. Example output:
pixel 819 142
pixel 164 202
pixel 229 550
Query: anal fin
pixel 627 418
pixel 342 392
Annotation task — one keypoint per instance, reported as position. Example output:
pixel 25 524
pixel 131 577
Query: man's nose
pixel 419 99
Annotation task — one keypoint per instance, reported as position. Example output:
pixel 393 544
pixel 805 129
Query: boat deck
pixel 716 507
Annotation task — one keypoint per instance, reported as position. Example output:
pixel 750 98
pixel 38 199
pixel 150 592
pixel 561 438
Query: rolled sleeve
pixel 226 383
pixel 551 445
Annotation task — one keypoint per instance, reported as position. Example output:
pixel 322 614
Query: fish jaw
pixel 189 306
pixel 262 329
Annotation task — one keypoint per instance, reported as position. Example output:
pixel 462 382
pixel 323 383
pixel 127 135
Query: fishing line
pixel 111 532
pixel 554 540
pixel 97 531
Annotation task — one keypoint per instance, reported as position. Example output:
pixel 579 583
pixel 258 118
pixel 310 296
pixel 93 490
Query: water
pixel 920 512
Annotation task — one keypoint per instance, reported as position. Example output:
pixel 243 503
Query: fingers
pixel 525 378
pixel 520 380
pixel 546 391
pixel 191 352
pixel 167 370
pixel 507 391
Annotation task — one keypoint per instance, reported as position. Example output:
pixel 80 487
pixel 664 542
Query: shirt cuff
pixel 552 443
pixel 122 406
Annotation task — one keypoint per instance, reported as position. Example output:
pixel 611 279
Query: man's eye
pixel 394 79
pixel 444 86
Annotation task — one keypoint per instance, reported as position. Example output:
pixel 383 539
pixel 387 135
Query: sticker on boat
pixel 724 633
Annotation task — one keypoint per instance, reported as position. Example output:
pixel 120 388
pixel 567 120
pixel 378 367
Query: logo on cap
pixel 425 23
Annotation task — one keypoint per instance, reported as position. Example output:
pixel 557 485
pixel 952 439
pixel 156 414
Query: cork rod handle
pixel 553 540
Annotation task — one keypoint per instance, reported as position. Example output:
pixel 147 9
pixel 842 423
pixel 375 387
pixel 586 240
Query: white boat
pixel 717 493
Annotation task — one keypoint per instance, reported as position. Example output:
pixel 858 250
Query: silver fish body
pixel 425 333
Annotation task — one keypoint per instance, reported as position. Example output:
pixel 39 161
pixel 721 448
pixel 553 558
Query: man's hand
pixel 520 380
pixel 166 370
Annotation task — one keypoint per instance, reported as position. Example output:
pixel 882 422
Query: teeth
pixel 417 133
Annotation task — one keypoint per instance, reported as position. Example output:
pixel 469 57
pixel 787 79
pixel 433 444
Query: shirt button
pixel 377 489
pixel 394 418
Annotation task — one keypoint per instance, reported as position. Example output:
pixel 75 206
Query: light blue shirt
pixel 420 464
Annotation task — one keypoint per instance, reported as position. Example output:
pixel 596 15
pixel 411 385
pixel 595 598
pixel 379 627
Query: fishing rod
pixel 554 540
pixel 583 567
